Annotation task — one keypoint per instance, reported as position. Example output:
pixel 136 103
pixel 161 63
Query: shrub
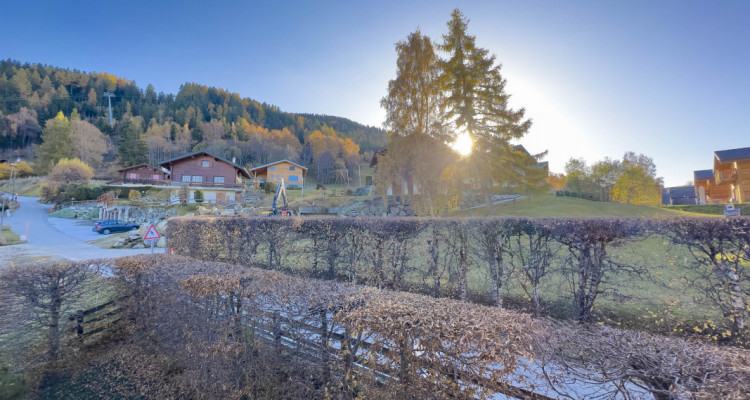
pixel 134 195
pixel 71 170
pixel 48 192
pixel 269 187
pixel 23 169
pixel 198 196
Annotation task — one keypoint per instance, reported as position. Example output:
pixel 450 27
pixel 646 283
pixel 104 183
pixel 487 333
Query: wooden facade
pixel 292 173
pixel 729 181
pixel 144 174
pixel 203 169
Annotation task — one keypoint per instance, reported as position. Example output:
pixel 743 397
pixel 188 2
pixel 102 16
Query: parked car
pixel 113 225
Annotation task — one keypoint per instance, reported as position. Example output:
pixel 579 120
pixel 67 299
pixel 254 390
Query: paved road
pixel 53 237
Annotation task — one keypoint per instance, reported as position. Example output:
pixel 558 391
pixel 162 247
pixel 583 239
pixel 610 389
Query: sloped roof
pixel 138 166
pixel 276 162
pixel 703 174
pixel 242 170
pixel 733 154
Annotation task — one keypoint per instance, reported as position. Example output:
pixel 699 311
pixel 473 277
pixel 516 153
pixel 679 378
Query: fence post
pixel 276 327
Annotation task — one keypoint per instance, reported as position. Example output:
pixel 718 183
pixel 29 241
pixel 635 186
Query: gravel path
pixel 53 237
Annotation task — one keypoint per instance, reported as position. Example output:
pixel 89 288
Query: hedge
pixel 243 331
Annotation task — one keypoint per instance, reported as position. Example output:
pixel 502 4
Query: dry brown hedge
pixel 238 331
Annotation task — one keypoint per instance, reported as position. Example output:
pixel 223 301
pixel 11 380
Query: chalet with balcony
pixel 292 173
pixel 144 174
pixel 220 179
pixel 732 175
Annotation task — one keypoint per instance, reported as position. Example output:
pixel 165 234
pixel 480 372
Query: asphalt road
pixel 53 237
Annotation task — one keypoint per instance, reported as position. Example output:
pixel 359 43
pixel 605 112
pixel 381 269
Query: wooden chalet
pixel 292 173
pixel 144 174
pixel 728 181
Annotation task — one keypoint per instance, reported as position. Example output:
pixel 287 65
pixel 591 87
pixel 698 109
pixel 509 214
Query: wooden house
pixel 732 174
pixel 144 174
pixel 292 173
pixel 703 180
pixel 220 179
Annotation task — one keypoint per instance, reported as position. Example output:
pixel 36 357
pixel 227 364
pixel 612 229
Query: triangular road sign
pixel 152 233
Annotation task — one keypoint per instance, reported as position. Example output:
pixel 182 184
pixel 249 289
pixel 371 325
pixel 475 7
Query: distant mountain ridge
pixel 47 90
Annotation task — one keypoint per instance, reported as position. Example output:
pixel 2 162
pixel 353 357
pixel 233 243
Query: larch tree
pixel 56 143
pixel 417 153
pixel 476 104
pixel 88 143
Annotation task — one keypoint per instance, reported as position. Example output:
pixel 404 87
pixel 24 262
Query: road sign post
pixel 152 235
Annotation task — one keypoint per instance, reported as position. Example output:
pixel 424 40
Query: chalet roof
pixel 138 166
pixel 704 174
pixel 242 170
pixel 374 161
pixel 678 195
pixel 733 154
pixel 274 163
pixel 519 147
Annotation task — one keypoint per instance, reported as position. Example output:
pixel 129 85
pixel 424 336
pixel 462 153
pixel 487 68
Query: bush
pixel 198 196
pixel 24 170
pixel 134 195
pixel 48 192
pixel 67 171
pixel 78 192
pixel 269 187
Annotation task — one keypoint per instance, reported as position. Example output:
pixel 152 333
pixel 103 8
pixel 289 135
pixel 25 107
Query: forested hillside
pixel 150 126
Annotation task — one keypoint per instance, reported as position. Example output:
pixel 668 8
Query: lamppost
pixel 359 173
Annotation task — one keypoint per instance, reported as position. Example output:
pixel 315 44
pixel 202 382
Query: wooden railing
pixel 101 318
pixel 725 175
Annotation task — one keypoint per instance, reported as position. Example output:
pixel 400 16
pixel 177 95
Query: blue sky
pixel 670 79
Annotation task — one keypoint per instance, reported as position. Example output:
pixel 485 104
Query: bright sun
pixel 463 144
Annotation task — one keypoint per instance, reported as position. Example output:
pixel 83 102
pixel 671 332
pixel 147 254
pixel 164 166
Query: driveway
pixel 53 237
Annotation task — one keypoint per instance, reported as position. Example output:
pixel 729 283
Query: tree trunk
pixel 463 266
pixel 738 303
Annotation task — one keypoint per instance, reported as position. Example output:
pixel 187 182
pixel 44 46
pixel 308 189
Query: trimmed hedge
pixel 242 331
pixel 435 255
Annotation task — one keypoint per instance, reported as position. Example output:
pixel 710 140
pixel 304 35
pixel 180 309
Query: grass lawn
pixel 30 187
pixel 546 205
pixel 8 237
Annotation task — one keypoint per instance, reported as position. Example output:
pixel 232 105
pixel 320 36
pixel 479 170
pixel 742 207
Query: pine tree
pixel 56 143
pixel 132 145
pixel 476 103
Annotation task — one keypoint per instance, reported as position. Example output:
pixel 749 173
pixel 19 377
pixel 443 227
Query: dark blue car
pixel 108 226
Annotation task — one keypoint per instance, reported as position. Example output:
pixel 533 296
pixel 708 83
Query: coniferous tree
pixel 132 144
pixel 476 104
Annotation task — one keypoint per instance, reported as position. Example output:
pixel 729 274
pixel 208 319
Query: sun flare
pixel 463 144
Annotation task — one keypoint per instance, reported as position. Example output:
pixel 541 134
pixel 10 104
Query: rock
pixel 203 211
pixel 133 236
pixel 119 243
pixel 227 212
pixel 247 210
pixel 139 246
pixel 189 215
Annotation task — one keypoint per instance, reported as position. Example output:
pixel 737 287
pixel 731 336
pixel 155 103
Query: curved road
pixel 63 238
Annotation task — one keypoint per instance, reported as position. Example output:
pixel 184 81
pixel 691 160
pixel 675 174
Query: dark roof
pixel 276 162
pixel 519 147
pixel 242 170
pixel 733 154
pixel 374 161
pixel 703 174
pixel 679 195
pixel 137 166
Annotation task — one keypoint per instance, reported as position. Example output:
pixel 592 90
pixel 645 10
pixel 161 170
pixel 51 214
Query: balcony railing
pixel 159 182
pixel 725 175
pixel 208 185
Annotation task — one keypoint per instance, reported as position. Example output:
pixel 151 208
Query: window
pixel 132 176
pixel 197 178
pixel 291 168
pixel 219 179
pixel 155 177
pixel 205 163
pixel 186 178
pixel 293 178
